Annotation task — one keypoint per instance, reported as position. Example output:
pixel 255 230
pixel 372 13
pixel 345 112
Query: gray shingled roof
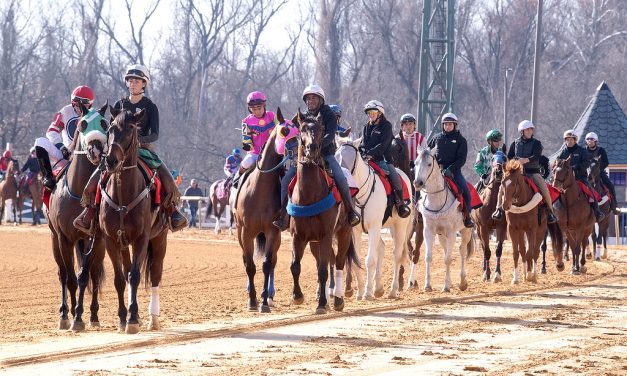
pixel 605 117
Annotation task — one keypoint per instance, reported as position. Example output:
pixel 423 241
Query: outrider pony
pixel 218 201
pixel 8 190
pixel 64 206
pixel 576 217
pixel 485 223
pixel 317 217
pixel 33 189
pixel 525 219
pixel 129 218
pixel 600 231
pixel 255 204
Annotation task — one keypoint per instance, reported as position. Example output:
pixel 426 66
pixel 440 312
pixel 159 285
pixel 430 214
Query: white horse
pixel 441 216
pixel 371 200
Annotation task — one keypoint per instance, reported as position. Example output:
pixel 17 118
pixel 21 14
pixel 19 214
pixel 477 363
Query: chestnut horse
pixel 576 217
pixel 525 219
pixel 33 191
pixel 64 206
pixel 600 231
pixel 8 190
pixel 128 218
pixel 485 223
pixel 316 217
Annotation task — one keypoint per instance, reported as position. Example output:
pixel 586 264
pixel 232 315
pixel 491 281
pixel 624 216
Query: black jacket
pixel 579 160
pixel 149 131
pixel 31 165
pixel 451 150
pixel 599 151
pixel 377 139
pixel 330 127
pixel 527 148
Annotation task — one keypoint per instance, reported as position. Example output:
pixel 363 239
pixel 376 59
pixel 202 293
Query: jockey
pixel 451 151
pixel 4 161
pixel 483 163
pixel 54 147
pixel 137 78
pixel 375 146
pixel 313 96
pixel 341 131
pixel 256 129
pixel 413 138
pixel 579 161
pixel 527 150
pixel 31 164
pixel 597 152
pixel 232 162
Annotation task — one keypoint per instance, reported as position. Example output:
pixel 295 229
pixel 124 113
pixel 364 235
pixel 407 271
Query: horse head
pixel 426 167
pixel 346 154
pixel 123 139
pixel 311 133
pixel 594 171
pixel 93 133
pixel 286 140
pixel 512 182
pixel 561 173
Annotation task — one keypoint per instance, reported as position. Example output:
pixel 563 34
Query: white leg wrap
pixel 153 307
pixel 598 251
pixel 339 283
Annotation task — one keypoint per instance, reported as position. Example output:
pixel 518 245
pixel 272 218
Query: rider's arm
pixel 383 142
pixel 537 152
pixel 604 161
pixel 54 130
pixel 153 125
pixel 460 156
pixel 330 124
pixel 480 163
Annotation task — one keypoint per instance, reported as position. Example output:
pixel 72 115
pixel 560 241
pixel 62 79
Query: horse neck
pixel 572 191
pixel 435 189
pixel 362 169
pixel 525 192
pixel 308 178
pixel 269 158
pixel 78 173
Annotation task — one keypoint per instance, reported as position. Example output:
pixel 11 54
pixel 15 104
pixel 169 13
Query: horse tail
pixel 94 270
pixel 351 255
pixel 146 264
pixel 209 209
pixel 260 247
pixel 557 237
pixel 470 247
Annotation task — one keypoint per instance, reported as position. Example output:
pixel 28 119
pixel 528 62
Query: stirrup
pixel 177 221
pixel 79 222
pixel 353 218
pixel 403 211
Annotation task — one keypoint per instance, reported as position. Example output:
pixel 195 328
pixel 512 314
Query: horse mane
pixel 77 133
pixel 513 166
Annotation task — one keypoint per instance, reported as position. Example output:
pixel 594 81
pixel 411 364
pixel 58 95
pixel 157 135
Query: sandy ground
pixel 561 324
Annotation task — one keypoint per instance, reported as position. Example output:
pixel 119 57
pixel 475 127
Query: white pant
pixel 54 153
pixel 249 160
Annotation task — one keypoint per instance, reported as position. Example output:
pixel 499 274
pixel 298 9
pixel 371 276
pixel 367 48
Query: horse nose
pixel 418 184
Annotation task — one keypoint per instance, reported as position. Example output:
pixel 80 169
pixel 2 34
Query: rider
pixel 451 151
pixel 375 145
pixel 232 162
pixel 31 165
pixel 414 139
pixel 483 163
pixel 313 96
pixel 256 129
pixel 137 78
pixel 527 150
pixel 579 161
pixel 53 148
pixel 341 131
pixel 4 161
pixel 596 151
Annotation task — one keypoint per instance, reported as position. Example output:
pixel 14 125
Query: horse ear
pixel 279 115
pixel 114 111
pixel 139 116
pixel 82 124
pixel 103 110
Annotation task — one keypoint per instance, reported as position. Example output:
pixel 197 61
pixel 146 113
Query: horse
pixel 218 203
pixel 34 191
pixel 371 199
pixel 600 231
pixel 527 220
pixel 9 191
pixel 441 216
pixel 485 224
pixel 575 216
pixel 64 206
pixel 255 203
pixel 317 218
pixel 128 218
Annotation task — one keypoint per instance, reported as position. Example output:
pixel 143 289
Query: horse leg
pixel 67 253
pixel 357 271
pixel 605 234
pixel 1 209
pixel 449 242
pixel 268 269
pixel 247 244
pixel 374 236
pixel 298 248
pixel 139 253
pixel 584 244
pixel 378 274
pixel 499 252
pixel 466 238
pixel 322 249
pixel 532 257
pixel 429 239
pixel 344 243
pixel 158 246
pixel 399 244
pixel 575 253
pixel 484 235
pixel 543 247
pixel 64 322
pixel 83 278
pixel 515 254
pixel 97 274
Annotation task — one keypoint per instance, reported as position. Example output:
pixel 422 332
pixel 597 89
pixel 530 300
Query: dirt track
pixel 561 324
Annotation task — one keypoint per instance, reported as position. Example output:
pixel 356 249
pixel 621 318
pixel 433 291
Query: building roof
pixel 604 116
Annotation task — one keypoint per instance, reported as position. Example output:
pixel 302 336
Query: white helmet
pixel 525 124
pixel 592 136
pixel 570 133
pixel 137 71
pixel 314 89
pixel 449 117
pixel 374 105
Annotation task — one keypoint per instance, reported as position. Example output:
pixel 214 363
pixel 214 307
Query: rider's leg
pixel 283 221
pixel 598 214
pixel 498 213
pixel 248 161
pixel 177 220
pixel 402 209
pixel 546 196
pixel 463 187
pixel 85 219
pixel 610 186
pixel 342 186
pixel 47 154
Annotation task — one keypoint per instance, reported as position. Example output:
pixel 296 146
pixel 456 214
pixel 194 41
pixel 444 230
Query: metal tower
pixel 437 56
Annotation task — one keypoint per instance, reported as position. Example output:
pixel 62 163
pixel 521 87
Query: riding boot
pixel 551 218
pixel 498 214
pixel 283 222
pixel 170 191
pixel 598 214
pixel 468 222
pixel 46 169
pixel 237 176
pixel 403 210
pixel 613 207
pixel 85 220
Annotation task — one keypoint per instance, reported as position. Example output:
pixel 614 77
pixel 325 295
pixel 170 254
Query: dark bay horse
pixel 600 231
pixel 255 204
pixel 128 218
pixel 525 219
pixel 64 206
pixel 576 217
pixel 8 190
pixel 317 219
pixel 485 223
pixel 32 190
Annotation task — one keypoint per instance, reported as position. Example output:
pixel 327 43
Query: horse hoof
pixel 597 259
pixel 379 293
pixel 543 271
pixel 78 326
pixel 64 324
pixel 584 269
pixel 486 276
pixel 604 255
pixel 497 278
pixel 299 300
pixel 589 256
pixel 464 285
pixel 270 302
pixel 264 308
pixel 153 323
pixel 121 327
pixel 532 279
pixel 321 311
pixel 348 293
pixel 360 297
pixel 575 272
pixel 253 308
pixel 412 286
pixel 446 289
pixel 428 289
pixel 393 295
pixel 94 324
pixel 338 304
pixel 132 328
pixel 369 297
pixel 514 281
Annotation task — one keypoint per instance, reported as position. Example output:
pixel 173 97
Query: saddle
pixel 223 189
pixel 147 172
pixel 59 168
pixel 321 206
pixel 330 184
pixel 592 195
pixel 553 192
pixel 26 180
pixel 386 182
pixel 475 200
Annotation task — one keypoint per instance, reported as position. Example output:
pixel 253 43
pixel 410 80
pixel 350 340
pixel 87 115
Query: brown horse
pixel 64 206
pixel 317 218
pixel 485 223
pixel 600 232
pixel 217 205
pixel 8 190
pixel 255 204
pixel 526 219
pixel 576 217
pixel 128 218
pixel 33 191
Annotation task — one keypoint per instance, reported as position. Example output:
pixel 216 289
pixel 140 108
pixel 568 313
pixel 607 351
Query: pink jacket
pixel 259 129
